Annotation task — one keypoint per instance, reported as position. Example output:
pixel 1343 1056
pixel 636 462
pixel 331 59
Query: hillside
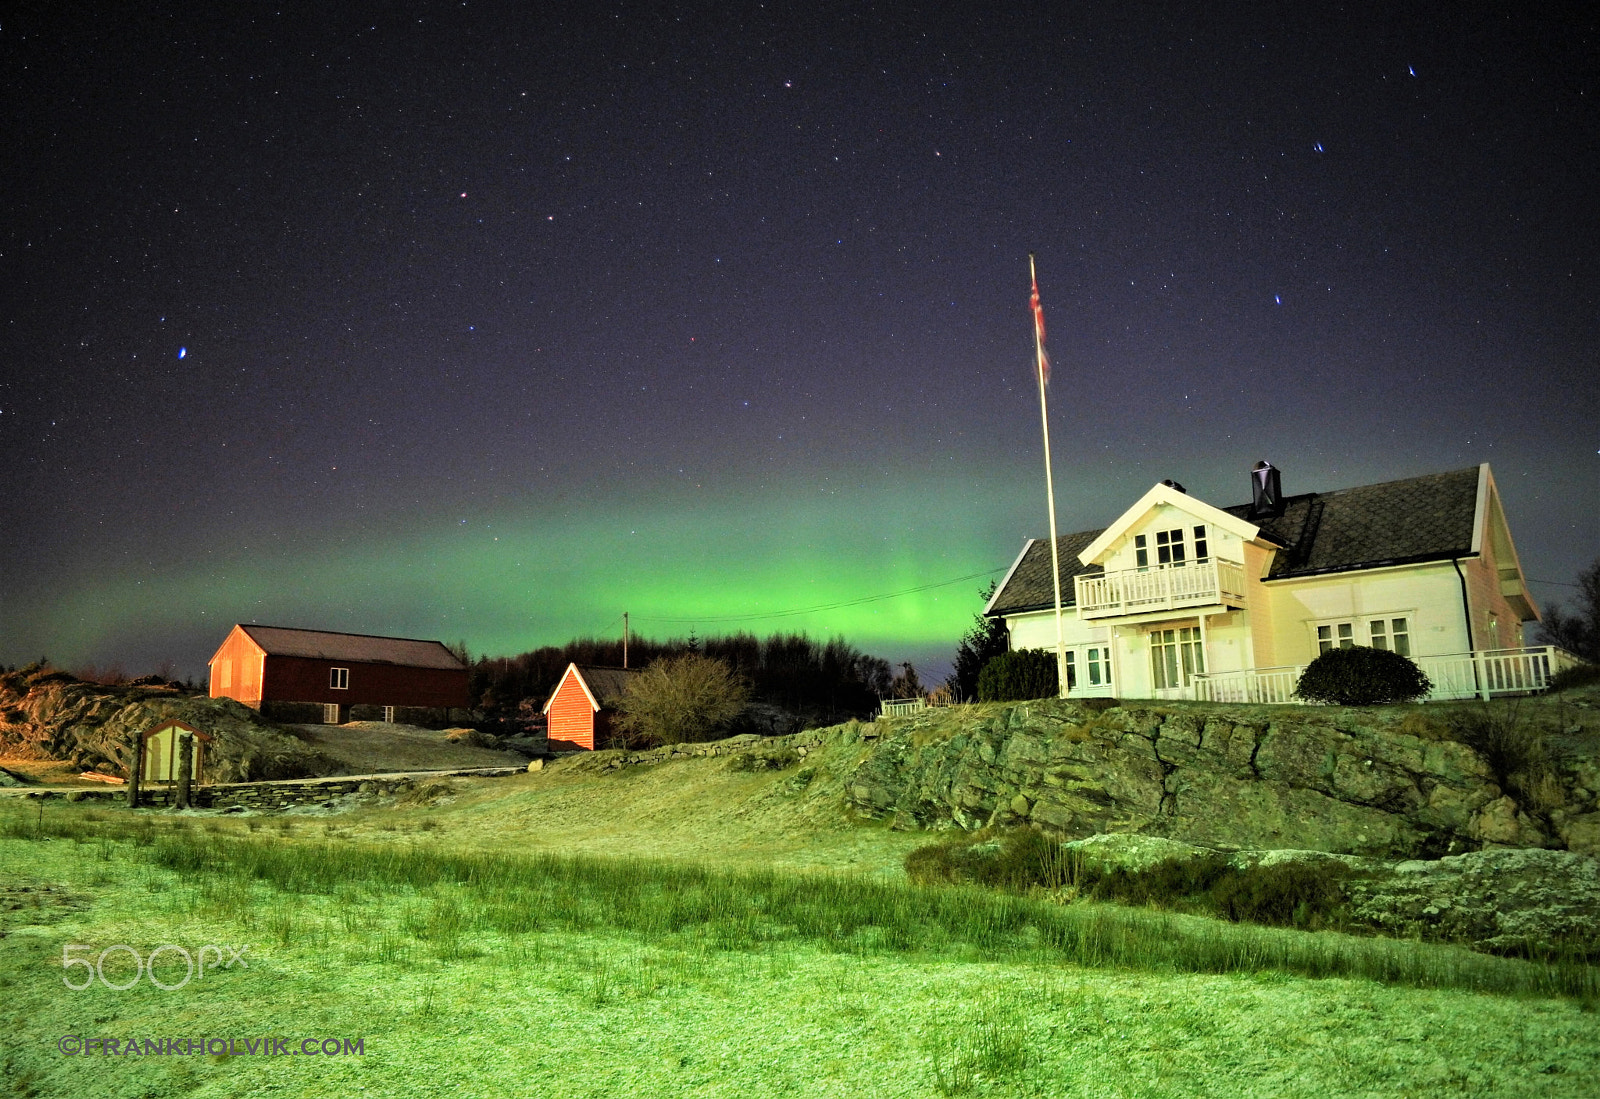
pixel 47 715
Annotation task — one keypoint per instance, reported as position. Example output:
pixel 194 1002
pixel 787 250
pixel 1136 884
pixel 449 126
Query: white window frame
pixel 338 679
pixel 388 714
pixel 1367 630
pixel 330 713
pixel 1188 656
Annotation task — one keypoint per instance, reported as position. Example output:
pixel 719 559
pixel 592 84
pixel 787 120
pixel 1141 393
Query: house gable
pixel 1161 508
pixel 572 680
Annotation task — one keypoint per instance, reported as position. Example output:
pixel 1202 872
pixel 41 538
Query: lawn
pixel 466 969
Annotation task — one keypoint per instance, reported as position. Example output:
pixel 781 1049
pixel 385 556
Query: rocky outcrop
pixel 1373 783
pixel 1515 901
pixel 50 715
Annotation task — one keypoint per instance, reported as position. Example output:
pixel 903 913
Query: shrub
pixel 1017 676
pixel 1360 676
pixel 679 699
pixel 1579 675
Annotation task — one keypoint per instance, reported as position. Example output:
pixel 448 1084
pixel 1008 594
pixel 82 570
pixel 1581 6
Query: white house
pixel 1181 599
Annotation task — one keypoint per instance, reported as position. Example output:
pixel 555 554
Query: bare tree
pixel 681 698
pixel 1578 632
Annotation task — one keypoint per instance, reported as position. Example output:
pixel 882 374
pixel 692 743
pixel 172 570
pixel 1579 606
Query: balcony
pixel 1208 583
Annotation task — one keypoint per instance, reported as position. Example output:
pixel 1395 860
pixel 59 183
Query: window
pixel 1072 669
pixel 1141 551
pixel 1335 635
pixel 1169 546
pixel 1390 633
pixel 1200 553
pixel 1099 667
pixel 339 679
pixel 1381 633
pixel 388 713
pixel 1176 656
pixel 330 713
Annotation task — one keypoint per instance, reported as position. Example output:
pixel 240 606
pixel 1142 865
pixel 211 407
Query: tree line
pixel 826 680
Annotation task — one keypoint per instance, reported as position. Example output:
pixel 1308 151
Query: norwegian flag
pixel 1038 332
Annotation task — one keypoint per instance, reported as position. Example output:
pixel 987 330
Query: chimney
pixel 1174 486
pixel 1266 493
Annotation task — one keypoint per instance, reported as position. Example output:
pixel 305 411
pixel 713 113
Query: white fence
pixel 1482 674
pixel 896 707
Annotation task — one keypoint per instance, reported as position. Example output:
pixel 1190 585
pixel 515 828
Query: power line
pixel 1556 583
pixel 820 607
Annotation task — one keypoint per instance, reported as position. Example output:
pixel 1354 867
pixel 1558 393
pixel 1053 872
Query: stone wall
pixel 269 797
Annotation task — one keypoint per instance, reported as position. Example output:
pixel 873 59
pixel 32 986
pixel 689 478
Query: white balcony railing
pixel 1482 674
pixel 1161 587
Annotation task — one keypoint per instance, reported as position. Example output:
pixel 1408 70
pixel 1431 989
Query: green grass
pixel 482 973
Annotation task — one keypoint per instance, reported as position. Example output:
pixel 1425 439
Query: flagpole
pixel 1049 481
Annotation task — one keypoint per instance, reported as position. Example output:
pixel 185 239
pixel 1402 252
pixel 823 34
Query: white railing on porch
pixel 896 707
pixel 1482 674
pixel 1162 587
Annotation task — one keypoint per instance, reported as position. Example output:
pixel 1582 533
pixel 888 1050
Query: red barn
pixel 580 708
pixel 291 675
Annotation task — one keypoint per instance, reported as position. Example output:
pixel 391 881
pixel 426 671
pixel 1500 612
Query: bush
pixel 1579 675
pixel 679 699
pixel 1360 676
pixel 1018 676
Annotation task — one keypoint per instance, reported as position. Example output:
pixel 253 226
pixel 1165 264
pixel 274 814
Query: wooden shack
pixel 581 708
pixel 309 675
pixel 161 762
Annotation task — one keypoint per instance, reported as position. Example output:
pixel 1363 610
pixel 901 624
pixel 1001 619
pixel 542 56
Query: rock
pixel 1506 901
pixel 1342 782
pixel 50 715
pixel 535 766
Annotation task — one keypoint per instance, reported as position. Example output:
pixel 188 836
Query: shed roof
pixel 358 648
pixel 607 684
pixel 1428 518
pixel 604 686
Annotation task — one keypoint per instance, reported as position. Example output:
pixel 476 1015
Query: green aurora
pixel 896 571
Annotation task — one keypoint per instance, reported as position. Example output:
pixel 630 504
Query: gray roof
pixel 1394 523
pixel 1029 587
pixel 358 648
pixel 606 684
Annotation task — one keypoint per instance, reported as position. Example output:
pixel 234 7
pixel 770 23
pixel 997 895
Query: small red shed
pixel 290 673
pixel 580 708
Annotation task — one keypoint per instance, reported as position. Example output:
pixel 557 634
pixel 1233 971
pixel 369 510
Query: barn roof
pixel 358 648
pixel 1429 518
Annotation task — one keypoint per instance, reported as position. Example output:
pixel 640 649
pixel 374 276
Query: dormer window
pixel 1169 547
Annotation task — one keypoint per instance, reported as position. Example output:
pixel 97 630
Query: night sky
pixel 492 322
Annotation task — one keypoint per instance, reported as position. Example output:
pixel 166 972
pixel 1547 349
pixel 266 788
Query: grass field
pixel 764 948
